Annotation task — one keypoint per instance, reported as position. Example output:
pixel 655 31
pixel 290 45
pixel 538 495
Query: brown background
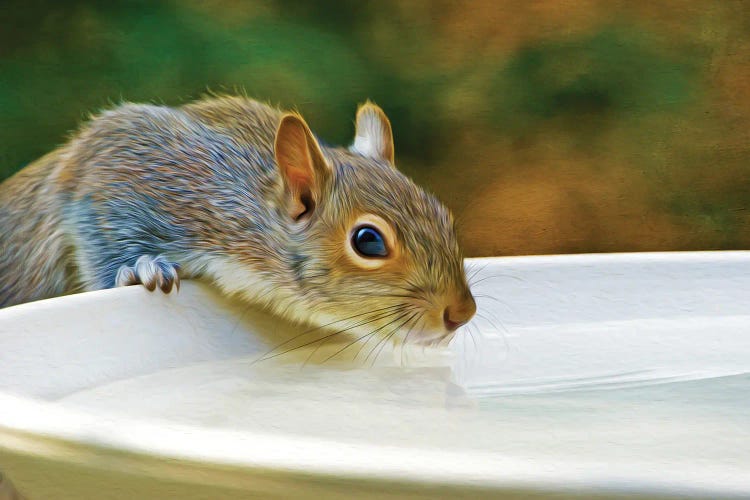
pixel 548 126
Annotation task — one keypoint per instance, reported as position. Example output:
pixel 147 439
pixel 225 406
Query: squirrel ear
pixel 374 137
pixel 301 164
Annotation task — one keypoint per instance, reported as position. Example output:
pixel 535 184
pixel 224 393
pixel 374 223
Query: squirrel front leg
pixel 150 271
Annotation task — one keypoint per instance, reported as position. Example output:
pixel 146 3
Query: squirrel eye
pixel 369 242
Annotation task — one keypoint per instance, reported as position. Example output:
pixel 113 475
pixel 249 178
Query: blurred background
pixel 550 126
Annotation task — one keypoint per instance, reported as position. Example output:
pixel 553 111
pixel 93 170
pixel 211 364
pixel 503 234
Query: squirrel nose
pixel 459 312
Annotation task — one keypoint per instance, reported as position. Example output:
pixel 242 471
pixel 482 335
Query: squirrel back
pixel 36 260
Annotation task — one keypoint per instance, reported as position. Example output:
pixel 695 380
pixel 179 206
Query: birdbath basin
pixel 583 376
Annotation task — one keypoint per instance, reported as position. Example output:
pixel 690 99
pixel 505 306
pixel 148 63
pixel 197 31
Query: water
pixel 635 386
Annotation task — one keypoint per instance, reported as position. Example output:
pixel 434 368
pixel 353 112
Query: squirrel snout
pixel 459 312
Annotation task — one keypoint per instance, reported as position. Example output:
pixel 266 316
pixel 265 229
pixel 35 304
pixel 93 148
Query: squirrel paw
pixel 151 272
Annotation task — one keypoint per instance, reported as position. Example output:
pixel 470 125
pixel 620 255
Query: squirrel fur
pixel 238 193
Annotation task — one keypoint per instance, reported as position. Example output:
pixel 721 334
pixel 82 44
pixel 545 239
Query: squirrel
pixel 235 192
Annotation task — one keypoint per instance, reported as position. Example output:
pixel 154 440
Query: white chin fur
pixel 237 279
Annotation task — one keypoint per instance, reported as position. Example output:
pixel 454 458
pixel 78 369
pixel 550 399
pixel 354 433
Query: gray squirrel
pixel 237 193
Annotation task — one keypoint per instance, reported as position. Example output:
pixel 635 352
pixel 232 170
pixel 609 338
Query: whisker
pixel 385 339
pixel 406 337
pixel 240 317
pixel 496 276
pixel 495 299
pixel 359 351
pixel 394 295
pixel 488 297
pixel 493 321
pixel 470 266
pixel 267 357
pixel 471 336
pixel 418 302
pixel 413 285
pixel 504 333
pixel 325 338
pixel 347 346
pixel 311 330
pixel 471 273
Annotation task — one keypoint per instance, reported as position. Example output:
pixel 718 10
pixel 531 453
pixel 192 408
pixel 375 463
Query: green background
pixel 547 126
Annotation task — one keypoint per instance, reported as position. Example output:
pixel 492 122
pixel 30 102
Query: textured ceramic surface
pixel 582 376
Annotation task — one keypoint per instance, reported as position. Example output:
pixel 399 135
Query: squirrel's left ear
pixel 301 165
pixel 374 137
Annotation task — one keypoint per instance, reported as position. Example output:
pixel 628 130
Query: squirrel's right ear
pixel 301 164
pixel 374 137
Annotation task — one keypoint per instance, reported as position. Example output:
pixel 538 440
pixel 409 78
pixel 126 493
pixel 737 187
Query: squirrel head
pixel 369 250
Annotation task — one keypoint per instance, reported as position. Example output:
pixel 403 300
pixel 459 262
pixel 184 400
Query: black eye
pixel 369 242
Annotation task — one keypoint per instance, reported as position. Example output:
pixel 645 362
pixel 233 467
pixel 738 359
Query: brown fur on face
pixel 425 270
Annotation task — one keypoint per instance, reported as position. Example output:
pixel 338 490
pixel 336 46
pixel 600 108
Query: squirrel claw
pixel 151 272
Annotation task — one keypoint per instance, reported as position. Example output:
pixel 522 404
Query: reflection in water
pixel 391 406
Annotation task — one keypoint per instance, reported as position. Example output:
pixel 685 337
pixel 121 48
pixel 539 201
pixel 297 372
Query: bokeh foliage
pixel 547 126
